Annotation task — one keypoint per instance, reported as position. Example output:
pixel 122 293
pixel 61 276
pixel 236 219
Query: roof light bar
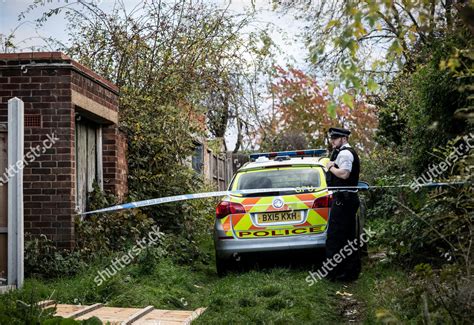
pixel 297 153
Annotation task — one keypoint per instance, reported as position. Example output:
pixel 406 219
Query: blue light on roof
pixel 297 153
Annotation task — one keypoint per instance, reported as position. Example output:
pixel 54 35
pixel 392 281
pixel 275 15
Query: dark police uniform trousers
pixel 342 224
pixel 341 230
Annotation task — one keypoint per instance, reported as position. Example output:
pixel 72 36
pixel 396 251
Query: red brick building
pixel 68 100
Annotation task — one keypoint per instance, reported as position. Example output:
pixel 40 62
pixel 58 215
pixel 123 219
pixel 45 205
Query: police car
pixel 274 221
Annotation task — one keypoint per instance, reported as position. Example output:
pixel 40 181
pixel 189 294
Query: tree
pixel 302 113
pixel 359 45
pixel 174 63
pixel 190 52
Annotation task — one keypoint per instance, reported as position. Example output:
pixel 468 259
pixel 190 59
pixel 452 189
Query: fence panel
pixel 220 170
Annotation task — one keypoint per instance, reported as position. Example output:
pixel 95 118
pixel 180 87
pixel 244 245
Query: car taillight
pixel 225 208
pixel 323 202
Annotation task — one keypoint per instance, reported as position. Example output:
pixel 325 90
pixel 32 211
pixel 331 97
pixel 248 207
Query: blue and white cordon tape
pixel 176 198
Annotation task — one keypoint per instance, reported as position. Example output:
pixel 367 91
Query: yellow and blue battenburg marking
pixel 246 225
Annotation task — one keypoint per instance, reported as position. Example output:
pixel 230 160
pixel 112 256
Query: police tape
pixel 370 187
pixel 184 197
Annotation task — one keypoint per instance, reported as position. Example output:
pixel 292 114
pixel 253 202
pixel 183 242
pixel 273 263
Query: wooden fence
pixel 219 169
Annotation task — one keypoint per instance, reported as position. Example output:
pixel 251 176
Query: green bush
pixel 20 308
pixel 185 224
pixel 433 223
pixel 111 232
pixel 97 236
pixel 431 232
pixel 44 259
pixel 419 111
pixel 385 166
pixel 189 228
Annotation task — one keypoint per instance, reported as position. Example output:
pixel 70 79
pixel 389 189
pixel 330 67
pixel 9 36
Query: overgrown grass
pixel 380 289
pixel 272 295
pixel 275 295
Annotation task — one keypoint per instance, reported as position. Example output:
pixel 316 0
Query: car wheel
pixel 223 266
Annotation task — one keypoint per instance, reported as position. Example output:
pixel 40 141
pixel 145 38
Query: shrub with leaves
pixel 434 235
pixel 21 308
pixel 109 232
pixel 44 259
pixel 441 220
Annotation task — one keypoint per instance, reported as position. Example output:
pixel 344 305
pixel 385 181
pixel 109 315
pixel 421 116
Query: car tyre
pixel 223 266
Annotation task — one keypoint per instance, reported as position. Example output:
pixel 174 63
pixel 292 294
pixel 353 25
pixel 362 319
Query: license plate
pixel 271 217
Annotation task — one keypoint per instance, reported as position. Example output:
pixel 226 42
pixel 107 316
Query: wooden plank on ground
pixel 139 314
pixel 45 303
pixel 198 312
pixel 113 315
pixel 169 317
pixel 117 315
pixel 84 311
pixel 63 310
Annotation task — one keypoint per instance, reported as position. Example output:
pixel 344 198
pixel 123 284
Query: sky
pixel 285 29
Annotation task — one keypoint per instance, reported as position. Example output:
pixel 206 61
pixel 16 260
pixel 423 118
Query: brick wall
pixel 115 161
pixel 45 81
pixel 104 94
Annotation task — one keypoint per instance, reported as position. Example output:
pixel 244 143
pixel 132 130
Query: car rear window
pixel 278 178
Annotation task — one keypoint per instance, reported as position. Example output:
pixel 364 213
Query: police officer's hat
pixel 335 133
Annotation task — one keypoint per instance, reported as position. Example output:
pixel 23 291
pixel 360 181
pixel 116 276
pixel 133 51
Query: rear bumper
pixel 226 248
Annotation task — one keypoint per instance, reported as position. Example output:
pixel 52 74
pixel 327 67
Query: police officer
pixel 343 170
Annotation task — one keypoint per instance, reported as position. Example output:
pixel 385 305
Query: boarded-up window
pixel 3 205
pixel 88 159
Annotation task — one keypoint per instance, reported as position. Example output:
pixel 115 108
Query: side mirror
pixel 363 186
